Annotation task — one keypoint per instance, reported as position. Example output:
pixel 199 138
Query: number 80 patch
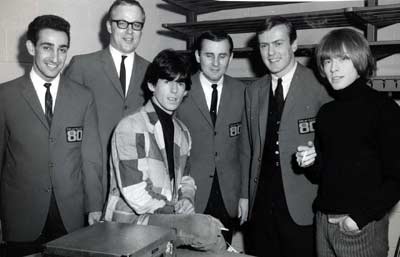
pixel 306 126
pixel 74 134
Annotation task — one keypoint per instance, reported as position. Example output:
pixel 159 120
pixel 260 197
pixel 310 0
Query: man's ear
pixel 151 87
pixel 30 47
pixel 294 46
pixel 185 93
pixel 108 25
pixel 197 54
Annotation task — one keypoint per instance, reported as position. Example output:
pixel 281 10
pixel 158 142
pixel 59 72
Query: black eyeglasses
pixel 122 24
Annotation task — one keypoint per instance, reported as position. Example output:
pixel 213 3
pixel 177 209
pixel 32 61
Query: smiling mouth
pixel 51 65
pixel 336 78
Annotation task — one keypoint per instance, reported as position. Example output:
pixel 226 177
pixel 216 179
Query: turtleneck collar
pixel 353 91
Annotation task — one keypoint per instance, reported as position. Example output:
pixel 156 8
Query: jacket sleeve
pixel 130 165
pixel 245 147
pixel 2 131
pixel 92 160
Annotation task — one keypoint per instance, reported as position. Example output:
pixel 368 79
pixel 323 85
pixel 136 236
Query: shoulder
pixel 79 91
pixel 90 57
pixel 140 60
pixel 13 83
pixel 260 83
pixel 133 123
pixel 234 82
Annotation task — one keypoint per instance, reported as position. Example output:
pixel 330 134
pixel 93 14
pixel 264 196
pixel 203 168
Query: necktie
pixel 214 99
pixel 48 104
pixel 280 101
pixel 122 73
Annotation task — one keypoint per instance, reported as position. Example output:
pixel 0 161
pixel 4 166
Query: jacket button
pixel 255 180
pixel 125 107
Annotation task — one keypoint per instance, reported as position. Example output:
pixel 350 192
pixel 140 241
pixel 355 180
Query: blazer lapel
pixel 110 71
pixel 294 92
pixel 198 97
pixel 135 83
pixel 263 99
pixel 225 100
pixel 31 97
pixel 60 106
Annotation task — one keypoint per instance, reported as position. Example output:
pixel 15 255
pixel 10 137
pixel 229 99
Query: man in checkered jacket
pixel 149 180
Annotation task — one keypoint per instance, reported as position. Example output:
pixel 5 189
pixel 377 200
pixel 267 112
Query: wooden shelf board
pixel 207 6
pixel 379 16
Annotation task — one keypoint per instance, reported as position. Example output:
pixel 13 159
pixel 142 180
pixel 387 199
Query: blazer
pixel 97 72
pixel 36 160
pixel 305 97
pixel 216 148
pixel 140 180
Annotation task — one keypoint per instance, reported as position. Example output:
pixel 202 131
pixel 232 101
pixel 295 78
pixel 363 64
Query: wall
pixel 86 21
pixel 85 17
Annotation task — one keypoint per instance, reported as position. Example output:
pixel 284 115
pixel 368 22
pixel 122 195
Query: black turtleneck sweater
pixel 168 131
pixel 358 142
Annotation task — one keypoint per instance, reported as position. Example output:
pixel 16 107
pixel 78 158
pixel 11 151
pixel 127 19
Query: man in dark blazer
pixel 280 113
pixel 114 74
pixel 222 189
pixel 50 152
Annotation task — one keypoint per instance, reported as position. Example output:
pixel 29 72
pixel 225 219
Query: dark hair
pixel 273 21
pixel 169 65
pixel 215 36
pixel 346 42
pixel 47 22
pixel 125 2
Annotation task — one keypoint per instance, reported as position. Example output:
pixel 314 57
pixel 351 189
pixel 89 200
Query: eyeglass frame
pixel 129 23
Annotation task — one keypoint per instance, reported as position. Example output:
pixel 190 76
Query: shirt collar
pixel 117 55
pixel 204 81
pixel 287 78
pixel 38 81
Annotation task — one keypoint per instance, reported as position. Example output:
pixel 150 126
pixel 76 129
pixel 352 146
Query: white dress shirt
pixel 117 56
pixel 286 80
pixel 207 89
pixel 38 84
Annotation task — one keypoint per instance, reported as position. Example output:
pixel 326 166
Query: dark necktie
pixel 214 99
pixel 280 101
pixel 48 104
pixel 122 73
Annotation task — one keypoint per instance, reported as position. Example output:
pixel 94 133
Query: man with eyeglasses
pixel 114 74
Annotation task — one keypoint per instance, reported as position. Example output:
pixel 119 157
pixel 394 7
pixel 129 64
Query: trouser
pixel 53 229
pixel 273 233
pixel 216 208
pixel 371 241
pixel 199 231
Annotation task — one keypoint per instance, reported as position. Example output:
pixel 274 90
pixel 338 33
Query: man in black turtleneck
pixel 355 154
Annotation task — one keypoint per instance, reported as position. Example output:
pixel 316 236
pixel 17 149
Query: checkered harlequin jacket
pixel 140 184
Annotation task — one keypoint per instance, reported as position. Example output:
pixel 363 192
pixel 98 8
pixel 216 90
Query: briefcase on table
pixel 110 239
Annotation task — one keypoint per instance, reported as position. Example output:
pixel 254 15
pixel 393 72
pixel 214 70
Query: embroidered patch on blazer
pixel 74 134
pixel 306 126
pixel 234 129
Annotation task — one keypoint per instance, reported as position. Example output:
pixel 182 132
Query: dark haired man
pixel 50 155
pixel 280 113
pixel 150 183
pixel 212 111
pixel 114 74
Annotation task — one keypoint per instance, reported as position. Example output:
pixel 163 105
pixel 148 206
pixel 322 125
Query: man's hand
pixel 184 206
pixel 243 210
pixel 305 155
pixel 346 224
pixel 94 217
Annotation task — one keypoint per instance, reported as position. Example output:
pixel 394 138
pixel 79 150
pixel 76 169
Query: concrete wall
pixel 86 18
